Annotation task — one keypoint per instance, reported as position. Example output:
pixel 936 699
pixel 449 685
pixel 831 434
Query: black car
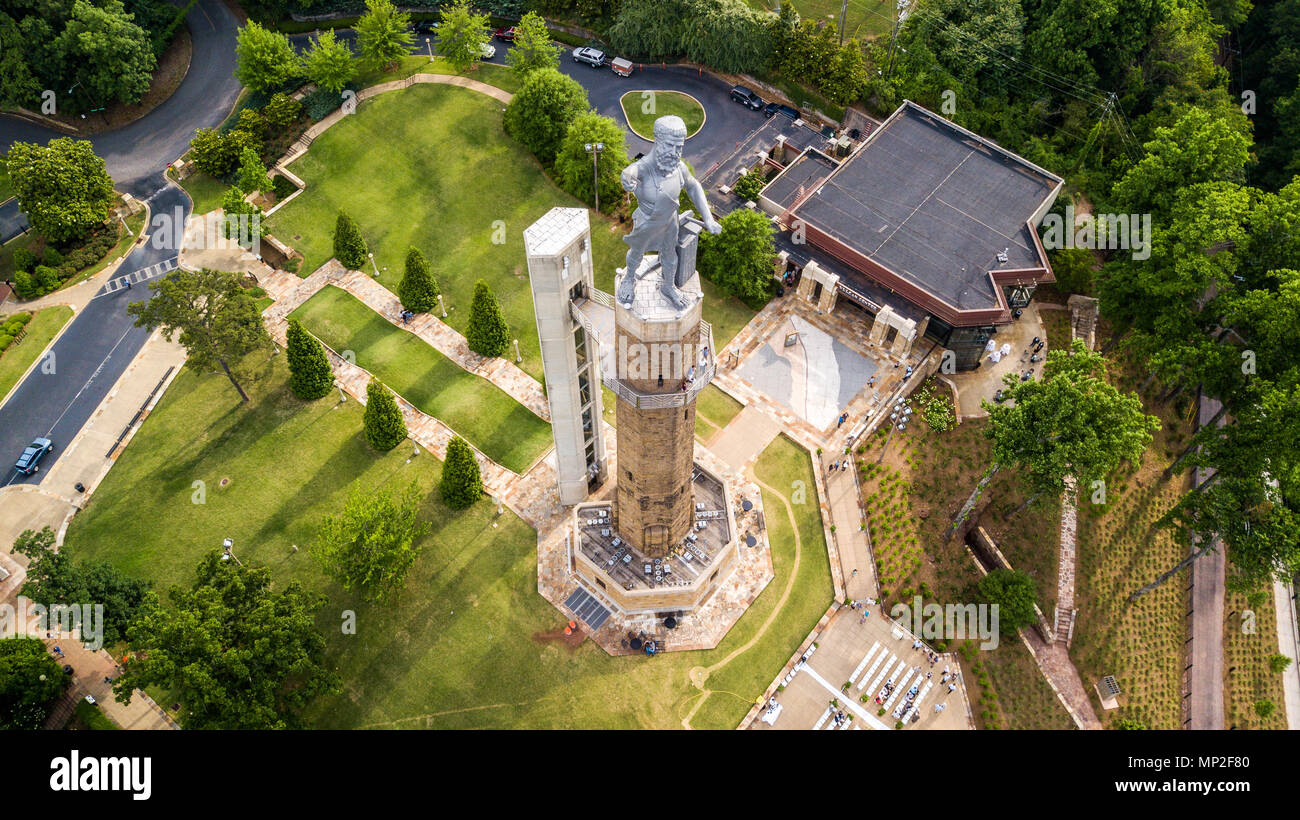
pixel 425 27
pixel 778 108
pixel 746 97
pixel 27 462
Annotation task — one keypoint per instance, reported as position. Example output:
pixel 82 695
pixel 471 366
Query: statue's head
pixel 670 139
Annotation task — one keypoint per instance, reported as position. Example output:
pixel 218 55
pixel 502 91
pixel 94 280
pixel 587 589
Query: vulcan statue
pixel 657 180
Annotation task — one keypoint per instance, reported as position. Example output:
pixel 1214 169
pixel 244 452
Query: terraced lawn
pixel 450 182
pixel 470 643
pixel 486 416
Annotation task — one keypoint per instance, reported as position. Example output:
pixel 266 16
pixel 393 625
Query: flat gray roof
pixel 935 205
pixel 803 175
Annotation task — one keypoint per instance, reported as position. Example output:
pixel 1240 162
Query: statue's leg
pixel 635 251
pixel 668 272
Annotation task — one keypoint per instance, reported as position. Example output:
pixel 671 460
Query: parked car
pixel 777 108
pixel 593 57
pixel 425 27
pixel 28 461
pixel 487 51
pixel 505 35
pixel 746 97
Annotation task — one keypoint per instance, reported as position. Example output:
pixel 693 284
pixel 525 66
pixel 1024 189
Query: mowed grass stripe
pixel 489 418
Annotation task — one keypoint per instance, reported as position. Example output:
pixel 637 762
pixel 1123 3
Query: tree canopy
pixel 264 59
pixel 237 653
pixel 540 113
pixel 371 544
pixel 63 187
pixel 383 34
pixel 462 35
pixel 216 318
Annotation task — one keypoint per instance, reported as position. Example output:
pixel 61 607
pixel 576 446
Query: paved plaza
pixel 816 376
pixel 877 658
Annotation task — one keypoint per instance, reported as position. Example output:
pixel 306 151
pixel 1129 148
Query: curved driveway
pixel 101 341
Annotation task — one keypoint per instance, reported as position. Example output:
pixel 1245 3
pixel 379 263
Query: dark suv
pixel 746 97
pixel 778 108
pixel 27 462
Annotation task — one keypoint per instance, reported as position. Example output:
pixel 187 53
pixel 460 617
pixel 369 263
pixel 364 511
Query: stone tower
pixel 662 369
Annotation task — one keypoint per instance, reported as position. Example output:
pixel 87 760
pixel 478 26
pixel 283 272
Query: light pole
pixel 518 358
pixel 372 263
pixel 442 306
pixel 594 148
pixel 430 45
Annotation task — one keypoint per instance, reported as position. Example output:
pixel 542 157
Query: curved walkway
pixel 700 674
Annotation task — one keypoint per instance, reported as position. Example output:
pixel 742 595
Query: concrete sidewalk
pixel 1288 643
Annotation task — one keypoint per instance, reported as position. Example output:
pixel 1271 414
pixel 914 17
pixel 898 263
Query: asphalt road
pixel 727 122
pixel 101 341
pixel 137 154
pixel 88 358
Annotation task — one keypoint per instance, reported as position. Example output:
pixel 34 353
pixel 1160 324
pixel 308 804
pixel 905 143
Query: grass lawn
pixel 503 429
pixel 642 108
pixel 498 75
pixel 40 330
pixel 449 182
pixel 90 717
pixel 6 187
pixel 714 410
pixel 205 191
pixel 468 645
pixel 865 20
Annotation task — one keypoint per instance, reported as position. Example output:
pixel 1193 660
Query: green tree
pixel 1129 724
pixel 540 113
pixel 237 653
pixel 1072 422
pixel 310 376
pixel 1013 594
pixel 53 578
pixel 1200 147
pixel 109 53
pixel 217 154
pixel 329 63
pixel 264 59
pixel 1264 708
pixel 532 48
pixel 383 35
pixel 18 84
pixel 487 334
pixel 384 426
pixel 30 683
pixel 283 111
pixel 739 260
pixel 750 185
pixel 1277 663
pixel 349 246
pixel 372 544
pixel 418 290
pixel 573 165
pixel 462 484
pixel 241 220
pixel 252 173
pixel 462 35
pixel 846 79
pixel 63 187
pixel 217 320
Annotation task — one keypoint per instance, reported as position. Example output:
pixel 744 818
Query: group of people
pixel 840 464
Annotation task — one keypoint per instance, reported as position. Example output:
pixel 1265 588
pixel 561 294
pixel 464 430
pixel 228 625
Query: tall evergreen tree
pixel 385 428
pixel 488 334
pixel 418 290
pixel 349 246
pixel 310 376
pixel 462 484
pixel 383 34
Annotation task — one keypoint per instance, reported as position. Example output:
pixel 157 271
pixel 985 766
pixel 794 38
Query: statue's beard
pixel 666 162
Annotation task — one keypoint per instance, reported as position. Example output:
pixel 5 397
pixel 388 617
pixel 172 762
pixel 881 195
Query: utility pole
pixel 844 10
pixel 899 16
pixel 594 148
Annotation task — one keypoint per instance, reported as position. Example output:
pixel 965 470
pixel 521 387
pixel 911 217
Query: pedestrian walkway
pixel 1288 644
